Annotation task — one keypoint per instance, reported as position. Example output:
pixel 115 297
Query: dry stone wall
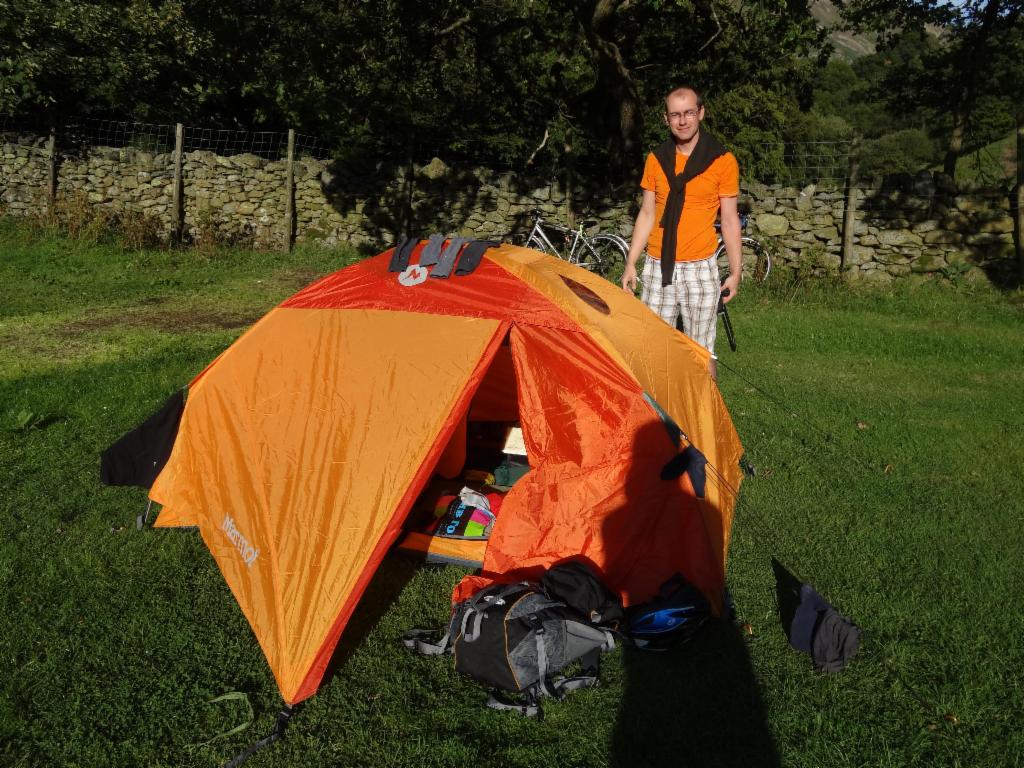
pixel 24 175
pixel 905 227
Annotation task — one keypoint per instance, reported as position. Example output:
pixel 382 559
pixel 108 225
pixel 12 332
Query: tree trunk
pixel 956 143
pixel 974 48
pixel 615 86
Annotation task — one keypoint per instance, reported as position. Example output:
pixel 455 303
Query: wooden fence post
pixel 569 181
pixel 177 208
pixel 51 181
pixel 407 223
pixel 850 208
pixel 1019 217
pixel 289 193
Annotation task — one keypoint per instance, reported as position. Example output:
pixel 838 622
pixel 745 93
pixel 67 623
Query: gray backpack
pixel 516 638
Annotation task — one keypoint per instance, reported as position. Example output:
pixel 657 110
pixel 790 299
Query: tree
pixel 508 83
pixel 72 57
pixel 1018 219
pixel 969 65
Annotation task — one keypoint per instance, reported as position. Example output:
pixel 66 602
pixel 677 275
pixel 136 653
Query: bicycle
pixel 602 253
pixel 761 261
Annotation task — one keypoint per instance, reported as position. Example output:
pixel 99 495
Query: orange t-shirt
pixel 696 238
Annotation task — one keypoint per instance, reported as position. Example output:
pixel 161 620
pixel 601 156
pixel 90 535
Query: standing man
pixel 689 181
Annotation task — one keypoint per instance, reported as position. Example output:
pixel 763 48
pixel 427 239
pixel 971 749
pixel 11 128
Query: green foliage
pixel 818 142
pixel 812 272
pixel 855 94
pixel 990 166
pixel 554 83
pixel 951 69
pixel 871 93
pixel 25 420
pixel 755 120
pixel 993 118
pixel 956 272
pixel 837 88
pixel 73 216
pixel 121 56
pixel 905 151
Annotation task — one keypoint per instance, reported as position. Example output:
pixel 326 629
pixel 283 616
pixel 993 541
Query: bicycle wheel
pixel 756 255
pixel 604 255
pixel 757 262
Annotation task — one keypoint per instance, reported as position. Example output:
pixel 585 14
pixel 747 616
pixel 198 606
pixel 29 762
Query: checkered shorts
pixel 693 295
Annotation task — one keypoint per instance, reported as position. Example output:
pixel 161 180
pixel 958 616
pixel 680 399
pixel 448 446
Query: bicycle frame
pixel 598 253
pixel 574 239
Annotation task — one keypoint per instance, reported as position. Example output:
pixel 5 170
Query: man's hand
pixel 629 278
pixel 732 285
pixel 641 232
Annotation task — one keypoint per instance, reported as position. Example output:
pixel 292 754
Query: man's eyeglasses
pixel 690 114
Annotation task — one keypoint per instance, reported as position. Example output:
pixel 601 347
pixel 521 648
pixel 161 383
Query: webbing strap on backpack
pixel 474 613
pixel 591 677
pixel 471 621
pixel 542 655
pixel 556 689
pixel 530 708
pixel 564 685
pixel 419 640
pixel 415 640
pixel 495 595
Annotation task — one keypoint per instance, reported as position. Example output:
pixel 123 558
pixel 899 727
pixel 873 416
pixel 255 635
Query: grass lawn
pixel 887 429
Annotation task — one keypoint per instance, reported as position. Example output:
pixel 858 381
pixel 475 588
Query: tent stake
pixel 142 520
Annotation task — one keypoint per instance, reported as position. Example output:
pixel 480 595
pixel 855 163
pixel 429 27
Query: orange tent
pixel 302 447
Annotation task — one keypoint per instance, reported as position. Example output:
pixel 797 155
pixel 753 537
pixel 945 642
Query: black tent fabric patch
pixel 139 456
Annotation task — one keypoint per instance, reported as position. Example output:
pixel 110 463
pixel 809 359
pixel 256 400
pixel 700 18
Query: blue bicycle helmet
pixel 672 618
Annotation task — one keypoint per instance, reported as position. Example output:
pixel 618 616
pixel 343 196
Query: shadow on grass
pixel 695 705
pixel 391 577
pixel 698 703
pixel 787 594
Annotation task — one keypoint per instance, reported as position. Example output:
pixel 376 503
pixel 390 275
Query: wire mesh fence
pixel 825 164
pixel 311 146
pixel 158 138
pixel 800 163
pixel 429 185
pixel 117 134
pixel 270 145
